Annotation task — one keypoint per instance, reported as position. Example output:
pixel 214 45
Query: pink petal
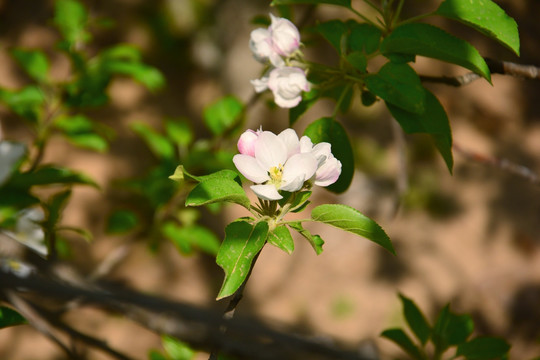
pixel 250 168
pixel 270 151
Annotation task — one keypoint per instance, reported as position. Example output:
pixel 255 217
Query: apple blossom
pixel 328 168
pixel 29 232
pixel 286 83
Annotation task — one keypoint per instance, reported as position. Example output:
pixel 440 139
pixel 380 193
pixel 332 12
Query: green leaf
pixel 243 241
pixel 308 99
pixel 126 52
pixel 55 206
pixel 10 317
pixel 155 355
pixel 451 329
pixel 364 38
pixel 34 62
pixel 281 238
pixel 147 75
pixel 358 60
pixel 399 85
pixel 416 320
pixel 158 144
pixel 315 240
pixel 431 41
pixel 404 341
pixel 217 189
pixel 223 114
pixel 177 350
pixel 331 131
pixel 81 131
pixel 49 175
pixel 483 348
pixel 25 102
pixel 185 237
pixel 179 131
pixel 180 174
pixel 121 221
pixel 333 31
pixel 345 3
pixel 70 17
pixel 433 121
pixel 299 202
pixel 349 219
pixel 484 16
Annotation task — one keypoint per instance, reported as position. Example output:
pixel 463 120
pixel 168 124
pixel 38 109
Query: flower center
pixel 276 172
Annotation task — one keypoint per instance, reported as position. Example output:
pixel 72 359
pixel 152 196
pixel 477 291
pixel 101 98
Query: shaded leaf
pixel 243 241
pixel 351 220
pixel 345 3
pixel 399 337
pixel 10 317
pixel 223 114
pixel 186 237
pixel 121 221
pixel 431 41
pixel 158 144
pixel 364 38
pixel 416 320
pixel 484 16
pixel 49 175
pixel 483 348
pixel 333 31
pixel 451 329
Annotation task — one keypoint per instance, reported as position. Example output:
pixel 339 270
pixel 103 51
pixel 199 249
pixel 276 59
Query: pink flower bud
pixel 246 143
pixel 285 36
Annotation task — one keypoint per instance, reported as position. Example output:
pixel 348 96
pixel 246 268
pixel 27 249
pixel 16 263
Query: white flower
pixel 29 232
pixel 328 167
pixel 276 165
pixel 287 85
pixel 281 38
pixel 10 154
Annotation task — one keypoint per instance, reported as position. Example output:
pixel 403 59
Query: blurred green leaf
pixel 242 243
pixel 34 62
pixel 484 16
pixel 431 41
pixel 399 85
pixel 346 218
pixel 331 131
pixel 155 355
pixel 223 114
pixel 10 317
pixel 179 131
pixel 416 320
pixel 451 329
pixel 126 52
pixel 345 3
pixel 483 348
pixel 358 60
pixel 147 75
pixel 308 99
pixel 121 221
pixel 158 144
pixel 81 131
pixel 71 17
pixel 50 175
pixel 185 237
pixel 215 190
pixel 364 38
pixel 55 206
pixel 25 102
pixel 333 31
pixel 177 350
pixel 281 238
pixel 315 240
pixel 399 337
pixel 433 121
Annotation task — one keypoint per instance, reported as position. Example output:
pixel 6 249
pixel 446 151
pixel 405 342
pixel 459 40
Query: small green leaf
pixel 55 206
pixel 451 329
pixel 81 131
pixel 216 189
pixel 49 175
pixel 158 144
pixel 121 221
pixel 331 131
pixel 147 75
pixel 10 317
pixel 243 241
pixel 308 99
pixel 416 320
pixel 431 41
pixel 399 85
pixel 126 52
pixel 155 355
pixel 179 131
pixel 484 16
pixel 345 3
pixel 34 62
pixel 364 38
pixel 25 102
pixel 333 31
pixel 177 350
pixel 281 238
pixel 70 17
pixel 368 98
pixel 315 240
pixel 185 237
pixel 349 219
pixel 399 337
pixel 358 60
pixel 483 348
pixel 433 121
pixel 223 114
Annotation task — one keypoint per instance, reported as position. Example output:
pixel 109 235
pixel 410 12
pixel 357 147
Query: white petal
pixel 328 173
pixel 10 154
pixel 266 192
pixel 298 167
pixel 285 36
pixel 250 168
pixel 305 144
pixel 260 85
pixel 290 139
pixel 270 151
pixel 322 151
pixel 260 43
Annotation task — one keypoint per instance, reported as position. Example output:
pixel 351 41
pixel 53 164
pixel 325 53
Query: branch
pixel 495 67
pixel 244 338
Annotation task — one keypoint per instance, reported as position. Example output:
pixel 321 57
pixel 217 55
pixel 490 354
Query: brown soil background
pixel 471 239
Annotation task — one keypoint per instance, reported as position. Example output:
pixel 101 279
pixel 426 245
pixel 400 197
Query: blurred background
pixel 471 238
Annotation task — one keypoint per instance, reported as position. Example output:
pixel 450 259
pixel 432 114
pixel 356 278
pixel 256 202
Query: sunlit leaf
pixel 315 240
pixel 25 102
pixel 34 62
pixel 281 238
pixel 158 144
pixel 70 17
pixel 223 114
pixel 215 190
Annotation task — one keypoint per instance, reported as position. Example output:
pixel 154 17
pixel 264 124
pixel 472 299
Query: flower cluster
pixel 275 45
pixel 284 163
